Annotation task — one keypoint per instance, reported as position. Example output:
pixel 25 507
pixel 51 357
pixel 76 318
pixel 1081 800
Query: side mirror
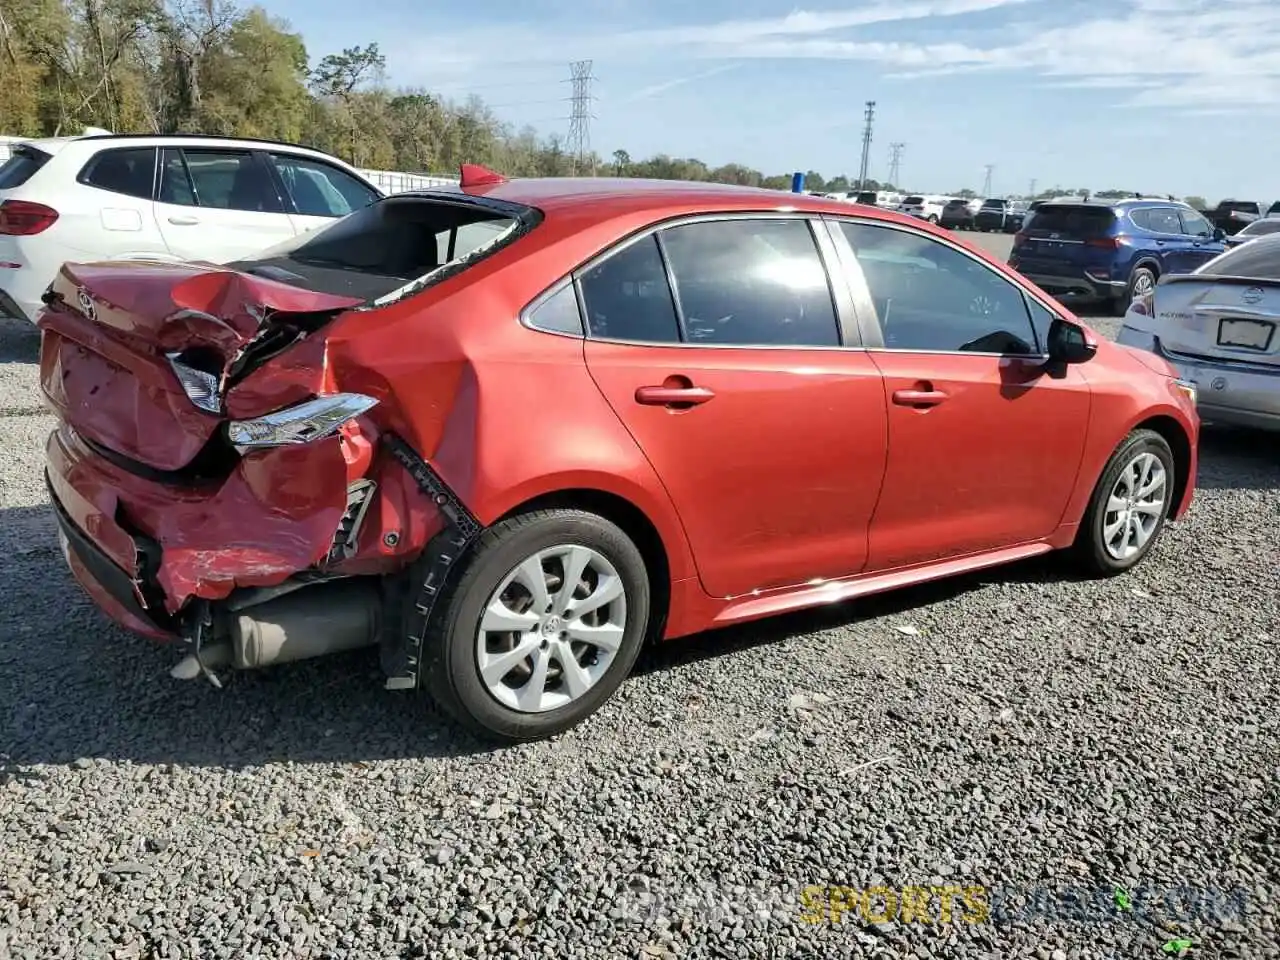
pixel 1068 343
pixel 1219 233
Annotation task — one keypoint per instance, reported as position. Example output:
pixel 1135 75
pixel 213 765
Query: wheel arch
pixel 1174 435
pixel 1147 260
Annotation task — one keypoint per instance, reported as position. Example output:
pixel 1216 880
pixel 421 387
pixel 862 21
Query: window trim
pixel 531 308
pixel 847 330
pixel 873 333
pixel 82 178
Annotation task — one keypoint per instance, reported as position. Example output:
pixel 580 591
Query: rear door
pixel 316 192
pixel 219 204
pixel 720 346
pixel 984 445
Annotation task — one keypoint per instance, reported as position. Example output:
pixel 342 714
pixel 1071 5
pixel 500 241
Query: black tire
pixel 1139 274
pixel 449 669
pixel 1090 550
pixel 933 218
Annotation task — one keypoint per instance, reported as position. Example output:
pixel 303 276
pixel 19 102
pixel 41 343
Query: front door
pixel 984 445
pixel 318 193
pixel 768 434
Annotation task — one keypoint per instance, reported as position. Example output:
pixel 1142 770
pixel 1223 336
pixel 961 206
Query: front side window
pixel 218 179
pixel 1163 220
pixel 930 297
pixel 320 190
pixel 1194 224
pixel 748 282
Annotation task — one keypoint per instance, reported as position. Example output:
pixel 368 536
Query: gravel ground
pixel 1027 734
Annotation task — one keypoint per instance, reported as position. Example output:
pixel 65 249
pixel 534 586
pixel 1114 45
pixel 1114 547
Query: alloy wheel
pixel 551 629
pixel 1135 507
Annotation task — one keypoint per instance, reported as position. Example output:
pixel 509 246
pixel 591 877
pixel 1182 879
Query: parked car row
pixel 1203 301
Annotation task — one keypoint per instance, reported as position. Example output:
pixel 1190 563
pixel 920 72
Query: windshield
pixel 391 248
pixel 913 201
pixel 993 205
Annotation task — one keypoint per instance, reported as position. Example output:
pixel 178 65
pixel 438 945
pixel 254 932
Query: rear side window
pixel 22 163
pixel 375 252
pixel 218 179
pixel 129 171
pixel 1158 219
pixel 1258 259
pixel 1075 222
pixel 747 282
pixel 628 298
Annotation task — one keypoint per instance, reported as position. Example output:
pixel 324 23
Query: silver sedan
pixel 1218 326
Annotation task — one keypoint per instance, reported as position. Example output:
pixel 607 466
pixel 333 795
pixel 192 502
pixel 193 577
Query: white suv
pixel 170 197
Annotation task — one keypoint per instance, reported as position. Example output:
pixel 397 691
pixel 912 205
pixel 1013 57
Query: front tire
pixel 1129 506
pixel 539 627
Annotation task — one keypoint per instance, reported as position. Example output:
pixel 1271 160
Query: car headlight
pixel 1187 388
pixel 303 423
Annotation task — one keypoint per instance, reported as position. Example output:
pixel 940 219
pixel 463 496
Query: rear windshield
pixel 866 198
pixel 912 201
pixel 1073 221
pixel 1258 260
pixel 1260 227
pixel 1243 206
pixel 993 204
pixel 394 247
pixel 22 163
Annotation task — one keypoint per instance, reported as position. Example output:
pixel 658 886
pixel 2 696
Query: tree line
pixel 212 66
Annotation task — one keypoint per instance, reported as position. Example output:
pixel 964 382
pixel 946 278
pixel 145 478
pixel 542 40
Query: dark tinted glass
pixel 1163 220
pixel 231 180
pixel 130 172
pixel 627 297
pixel 1259 259
pixel 22 163
pixel 1194 224
pixel 931 297
pixel 1076 222
pixel 752 283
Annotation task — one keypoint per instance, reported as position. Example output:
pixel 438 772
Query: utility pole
pixel 895 162
pixel 866 145
pixel 1031 194
pixel 986 184
pixel 579 143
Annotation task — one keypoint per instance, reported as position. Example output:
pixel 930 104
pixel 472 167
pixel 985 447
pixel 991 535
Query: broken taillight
pixel 23 218
pixel 302 423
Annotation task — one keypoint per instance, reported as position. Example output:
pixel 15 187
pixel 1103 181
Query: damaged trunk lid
pixel 137 356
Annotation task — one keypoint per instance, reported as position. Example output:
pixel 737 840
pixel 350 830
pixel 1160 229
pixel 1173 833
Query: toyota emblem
pixel 1251 295
pixel 86 304
pixel 1219 383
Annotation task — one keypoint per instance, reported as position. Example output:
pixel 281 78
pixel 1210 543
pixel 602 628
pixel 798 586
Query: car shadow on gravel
pixel 1238 459
pixel 19 341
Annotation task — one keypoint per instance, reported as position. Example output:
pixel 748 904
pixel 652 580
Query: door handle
pixel 184 221
pixel 918 398
pixel 673 396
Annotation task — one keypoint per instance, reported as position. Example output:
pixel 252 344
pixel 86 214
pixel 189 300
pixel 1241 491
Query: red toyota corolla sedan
pixel 509 431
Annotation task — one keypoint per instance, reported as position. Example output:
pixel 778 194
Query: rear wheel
pixel 1127 511
pixel 933 218
pixel 1141 283
pixel 540 626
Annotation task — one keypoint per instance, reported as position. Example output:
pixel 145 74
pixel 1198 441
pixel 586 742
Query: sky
pixel 1158 96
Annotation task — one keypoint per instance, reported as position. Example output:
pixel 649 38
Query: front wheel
pixel 1127 511
pixel 540 626
pixel 933 218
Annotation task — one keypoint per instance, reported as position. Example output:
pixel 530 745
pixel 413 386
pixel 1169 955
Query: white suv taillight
pixel 303 423
pixel 23 218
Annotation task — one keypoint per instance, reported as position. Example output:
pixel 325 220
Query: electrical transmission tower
pixel 986 184
pixel 895 162
pixel 1031 194
pixel 579 143
pixel 866 145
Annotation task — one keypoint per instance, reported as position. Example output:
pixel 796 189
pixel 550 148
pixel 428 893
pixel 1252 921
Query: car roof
pixel 605 197
pixel 53 145
pixel 1110 204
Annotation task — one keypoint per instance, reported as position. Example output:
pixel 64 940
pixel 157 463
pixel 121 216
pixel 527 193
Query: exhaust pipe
pixel 311 622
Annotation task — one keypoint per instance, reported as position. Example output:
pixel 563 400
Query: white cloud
pixel 1180 54
pixel 645 93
